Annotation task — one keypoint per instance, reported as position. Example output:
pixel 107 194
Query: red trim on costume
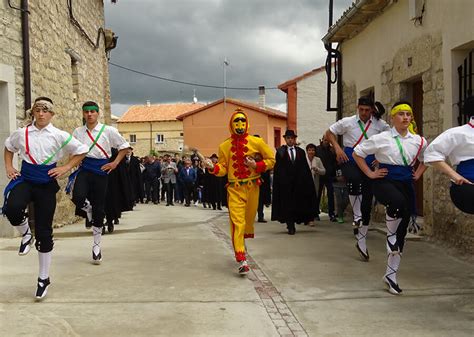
pixel 97 144
pixel 363 134
pixel 216 169
pixel 240 256
pixel 27 147
pixel 418 153
pixel 261 167
pixel 249 236
pixel 471 125
pixel 239 149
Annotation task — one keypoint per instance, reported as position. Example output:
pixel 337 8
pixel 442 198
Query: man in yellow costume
pixel 237 161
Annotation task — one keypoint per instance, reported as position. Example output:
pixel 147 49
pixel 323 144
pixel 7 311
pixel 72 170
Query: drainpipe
pixel 25 34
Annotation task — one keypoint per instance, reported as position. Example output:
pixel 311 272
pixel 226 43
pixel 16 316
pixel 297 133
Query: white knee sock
pixel 360 236
pixel 44 264
pixel 355 203
pixel 392 226
pixel 24 230
pixel 97 232
pixel 393 262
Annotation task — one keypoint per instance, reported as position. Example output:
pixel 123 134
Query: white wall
pixel 393 29
pixel 7 125
pixel 312 119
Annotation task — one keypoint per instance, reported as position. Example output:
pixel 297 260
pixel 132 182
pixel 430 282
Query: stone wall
pixel 51 33
pixel 441 219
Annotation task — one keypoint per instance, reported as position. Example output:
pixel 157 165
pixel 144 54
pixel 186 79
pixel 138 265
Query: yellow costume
pixel 244 181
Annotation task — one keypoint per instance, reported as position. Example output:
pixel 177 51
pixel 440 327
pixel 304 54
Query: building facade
pixel 65 44
pixel 207 127
pixel 306 106
pixel 154 129
pixel 420 51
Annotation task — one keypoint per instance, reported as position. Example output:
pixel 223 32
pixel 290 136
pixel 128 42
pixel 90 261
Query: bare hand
pixel 109 167
pixel 459 180
pixel 12 173
pixel 209 164
pixel 378 173
pixel 58 171
pixel 416 176
pixel 250 162
pixel 341 156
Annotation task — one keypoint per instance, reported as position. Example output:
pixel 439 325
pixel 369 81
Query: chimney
pixel 261 96
pixel 148 103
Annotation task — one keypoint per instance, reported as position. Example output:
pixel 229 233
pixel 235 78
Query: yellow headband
pixel 401 107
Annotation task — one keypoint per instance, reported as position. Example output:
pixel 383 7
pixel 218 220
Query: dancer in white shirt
pixel 90 180
pixel 40 145
pixel 457 146
pixel 356 130
pixel 396 151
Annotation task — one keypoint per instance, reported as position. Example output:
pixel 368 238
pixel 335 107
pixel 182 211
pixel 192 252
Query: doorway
pixel 417 101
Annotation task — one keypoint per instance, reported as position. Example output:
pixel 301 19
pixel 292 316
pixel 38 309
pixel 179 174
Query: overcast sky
pixel 266 42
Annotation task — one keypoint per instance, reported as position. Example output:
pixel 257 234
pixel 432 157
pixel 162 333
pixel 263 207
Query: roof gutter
pixel 343 20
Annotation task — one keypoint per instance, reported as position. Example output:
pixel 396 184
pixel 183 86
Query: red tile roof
pixel 157 112
pixel 254 106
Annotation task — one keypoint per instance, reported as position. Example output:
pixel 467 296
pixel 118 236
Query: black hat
pixel 290 133
pixel 214 156
pixel 365 100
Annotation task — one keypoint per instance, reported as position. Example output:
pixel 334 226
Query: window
pixel 181 134
pixel 133 138
pixel 160 138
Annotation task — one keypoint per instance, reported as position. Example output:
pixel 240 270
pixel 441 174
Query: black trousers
pixel 463 197
pixel 43 197
pixel 188 191
pixel 152 190
pixel 92 187
pixel 358 183
pixel 330 194
pixel 169 192
pixel 398 198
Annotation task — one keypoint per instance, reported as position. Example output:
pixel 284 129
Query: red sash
pixel 97 144
pixel 364 133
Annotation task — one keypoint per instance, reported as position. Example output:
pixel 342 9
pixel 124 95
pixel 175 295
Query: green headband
pixel 90 108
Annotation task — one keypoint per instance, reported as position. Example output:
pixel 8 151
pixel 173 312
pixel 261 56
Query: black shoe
pixel 317 218
pixel 155 202
pixel 96 259
pixel 167 204
pixel 363 255
pixel 116 222
pixel 291 231
pixel 262 220
pixel 204 205
pixel 88 223
pixel 393 287
pixel 333 218
pixel 219 208
pixel 42 288
pixel 110 227
pixel 187 205
pixel 26 247
pixel 172 204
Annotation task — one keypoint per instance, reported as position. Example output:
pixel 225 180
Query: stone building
pixel 420 51
pixel 154 128
pixel 56 49
pixel 306 105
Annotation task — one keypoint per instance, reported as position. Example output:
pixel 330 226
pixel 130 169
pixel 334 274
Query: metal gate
pixel 465 86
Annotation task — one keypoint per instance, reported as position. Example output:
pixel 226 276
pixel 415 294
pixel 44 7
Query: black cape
pixel 294 196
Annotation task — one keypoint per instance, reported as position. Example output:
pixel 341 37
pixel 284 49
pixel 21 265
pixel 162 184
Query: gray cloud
pixel 266 42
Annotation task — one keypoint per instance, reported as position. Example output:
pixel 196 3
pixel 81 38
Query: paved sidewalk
pixel 169 271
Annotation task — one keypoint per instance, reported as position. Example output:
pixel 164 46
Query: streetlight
pixel 224 65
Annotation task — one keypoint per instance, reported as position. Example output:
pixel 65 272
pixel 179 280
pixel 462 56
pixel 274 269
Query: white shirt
pixel 108 139
pixel 386 150
pixel 294 152
pixel 43 143
pixel 349 128
pixel 456 144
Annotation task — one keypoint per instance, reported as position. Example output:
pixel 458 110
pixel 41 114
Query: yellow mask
pixel 239 123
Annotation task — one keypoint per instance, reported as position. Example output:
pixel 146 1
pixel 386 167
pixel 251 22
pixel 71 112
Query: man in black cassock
pixel 294 196
pixel 132 165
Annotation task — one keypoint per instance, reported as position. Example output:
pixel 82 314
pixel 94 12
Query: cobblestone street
pixel 169 271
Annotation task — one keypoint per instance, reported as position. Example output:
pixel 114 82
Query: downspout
pixel 25 34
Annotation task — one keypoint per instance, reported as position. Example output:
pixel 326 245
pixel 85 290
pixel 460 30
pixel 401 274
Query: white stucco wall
pixel 312 118
pixel 384 36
